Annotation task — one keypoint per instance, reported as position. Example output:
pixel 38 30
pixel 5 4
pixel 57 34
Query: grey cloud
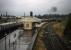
pixel 18 7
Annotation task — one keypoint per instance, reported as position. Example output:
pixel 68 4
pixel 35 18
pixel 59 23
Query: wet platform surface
pixel 18 40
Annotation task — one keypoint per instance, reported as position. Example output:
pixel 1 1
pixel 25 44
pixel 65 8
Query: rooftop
pixel 31 19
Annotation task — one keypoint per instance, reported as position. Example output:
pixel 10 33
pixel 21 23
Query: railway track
pixel 53 42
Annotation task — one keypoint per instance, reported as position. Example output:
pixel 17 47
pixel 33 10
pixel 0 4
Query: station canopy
pixel 31 19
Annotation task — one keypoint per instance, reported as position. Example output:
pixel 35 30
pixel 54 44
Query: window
pixel 27 25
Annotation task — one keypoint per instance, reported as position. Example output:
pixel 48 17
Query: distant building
pixel 30 22
pixel 31 13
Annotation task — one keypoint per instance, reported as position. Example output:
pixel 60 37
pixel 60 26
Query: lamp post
pixel 9 36
pixel 5 41
pixel 9 41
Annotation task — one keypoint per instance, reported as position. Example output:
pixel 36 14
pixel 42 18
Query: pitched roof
pixel 32 19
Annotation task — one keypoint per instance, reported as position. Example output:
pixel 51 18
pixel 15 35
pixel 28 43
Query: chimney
pixel 31 13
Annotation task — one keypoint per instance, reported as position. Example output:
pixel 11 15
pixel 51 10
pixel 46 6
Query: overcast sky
pixel 18 7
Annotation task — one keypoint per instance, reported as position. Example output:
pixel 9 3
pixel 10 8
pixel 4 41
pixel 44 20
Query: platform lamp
pixel 5 38
pixel 9 36
pixel 5 41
